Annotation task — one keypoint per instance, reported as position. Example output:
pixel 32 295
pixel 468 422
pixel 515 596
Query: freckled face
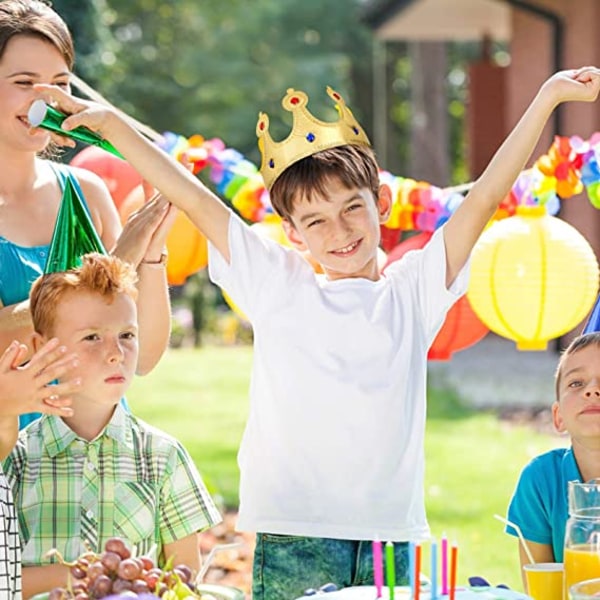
pixel 104 336
pixel 341 230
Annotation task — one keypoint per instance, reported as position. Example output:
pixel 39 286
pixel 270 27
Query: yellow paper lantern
pixel 187 248
pixel 533 278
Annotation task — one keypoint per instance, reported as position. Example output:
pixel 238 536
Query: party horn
pixel 46 117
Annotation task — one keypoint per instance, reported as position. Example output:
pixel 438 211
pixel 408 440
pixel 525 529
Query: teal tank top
pixel 20 266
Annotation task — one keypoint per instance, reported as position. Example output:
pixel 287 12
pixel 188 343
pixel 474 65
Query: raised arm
pixel 172 179
pixel 140 241
pixel 465 226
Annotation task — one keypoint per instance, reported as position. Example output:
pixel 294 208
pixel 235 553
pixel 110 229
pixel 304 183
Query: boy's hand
pixel 85 113
pixel 581 85
pixel 27 388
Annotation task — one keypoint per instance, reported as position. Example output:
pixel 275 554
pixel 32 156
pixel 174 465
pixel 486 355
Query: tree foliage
pixel 209 67
pixel 91 36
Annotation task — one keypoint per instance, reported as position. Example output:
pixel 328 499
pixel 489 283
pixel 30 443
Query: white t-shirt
pixel 333 446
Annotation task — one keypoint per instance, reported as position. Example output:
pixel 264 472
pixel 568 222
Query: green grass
pixel 473 459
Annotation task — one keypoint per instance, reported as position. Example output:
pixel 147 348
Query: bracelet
pixel 161 262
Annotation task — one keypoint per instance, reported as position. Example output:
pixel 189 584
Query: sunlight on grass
pixel 473 459
pixel 200 396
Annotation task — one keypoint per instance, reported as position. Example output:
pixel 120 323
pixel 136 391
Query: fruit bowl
pixel 220 592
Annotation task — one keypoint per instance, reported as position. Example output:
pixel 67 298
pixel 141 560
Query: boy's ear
pixel 557 419
pixel 384 202
pixel 37 341
pixel 293 235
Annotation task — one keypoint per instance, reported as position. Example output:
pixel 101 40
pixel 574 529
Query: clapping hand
pixel 145 232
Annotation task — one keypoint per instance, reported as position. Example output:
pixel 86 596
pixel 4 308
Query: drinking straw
pixel 444 564
pixel 521 538
pixel 453 569
pixel 46 117
pixel 209 558
pixel 390 568
pixel 417 571
pixel 411 568
pixel 433 574
pixel 378 567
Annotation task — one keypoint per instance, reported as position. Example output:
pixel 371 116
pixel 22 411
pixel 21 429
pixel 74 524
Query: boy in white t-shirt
pixel 332 454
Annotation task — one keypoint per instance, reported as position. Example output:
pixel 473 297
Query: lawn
pixel 473 459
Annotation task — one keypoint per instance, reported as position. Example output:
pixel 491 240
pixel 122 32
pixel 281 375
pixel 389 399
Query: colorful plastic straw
pixel 453 569
pixel 411 568
pixel 417 576
pixel 433 575
pixel 444 564
pixel 378 567
pixel 390 568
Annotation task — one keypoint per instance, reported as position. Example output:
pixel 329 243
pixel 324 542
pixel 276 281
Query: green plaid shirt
pixel 133 481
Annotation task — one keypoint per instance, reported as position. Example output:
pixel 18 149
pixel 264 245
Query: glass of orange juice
pixel 582 534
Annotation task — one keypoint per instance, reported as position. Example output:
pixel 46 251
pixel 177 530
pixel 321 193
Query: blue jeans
pixel 287 565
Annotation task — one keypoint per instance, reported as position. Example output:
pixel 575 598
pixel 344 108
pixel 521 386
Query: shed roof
pixel 439 20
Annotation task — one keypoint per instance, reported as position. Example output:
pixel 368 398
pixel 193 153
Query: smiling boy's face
pixel 342 230
pixel 577 410
pixel 103 333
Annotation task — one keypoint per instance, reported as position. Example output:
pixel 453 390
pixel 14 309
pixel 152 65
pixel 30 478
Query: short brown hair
pixel 579 343
pixel 99 274
pixel 37 19
pixel 352 165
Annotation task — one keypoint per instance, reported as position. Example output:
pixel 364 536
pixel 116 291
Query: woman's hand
pixel 145 231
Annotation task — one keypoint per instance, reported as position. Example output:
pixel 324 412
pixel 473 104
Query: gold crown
pixel 308 136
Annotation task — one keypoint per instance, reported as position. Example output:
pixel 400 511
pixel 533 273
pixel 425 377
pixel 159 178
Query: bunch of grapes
pixel 116 572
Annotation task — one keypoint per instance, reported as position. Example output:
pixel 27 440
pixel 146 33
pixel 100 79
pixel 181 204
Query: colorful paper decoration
pixel 533 278
pixel 462 328
pixel 74 233
pixel 118 175
pixel 186 246
pixel 570 165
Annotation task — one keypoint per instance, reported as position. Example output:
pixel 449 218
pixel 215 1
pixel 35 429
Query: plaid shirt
pixel 10 548
pixel 133 481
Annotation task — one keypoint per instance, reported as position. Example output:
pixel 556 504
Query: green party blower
pixel 46 117
pixel 74 234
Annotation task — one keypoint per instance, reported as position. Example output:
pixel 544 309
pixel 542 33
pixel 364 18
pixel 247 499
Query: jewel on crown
pixel 308 136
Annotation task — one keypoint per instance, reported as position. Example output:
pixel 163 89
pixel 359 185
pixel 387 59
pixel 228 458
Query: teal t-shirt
pixel 540 503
